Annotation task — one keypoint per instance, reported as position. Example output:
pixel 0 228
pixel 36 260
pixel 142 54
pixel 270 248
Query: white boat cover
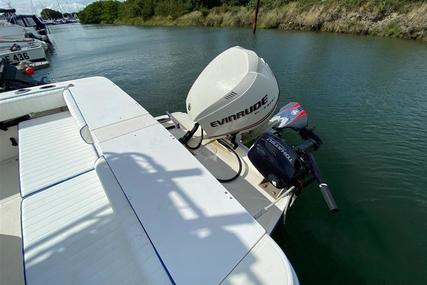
pixel 50 151
pixel 166 218
pixel 73 234
pixel 194 223
pixel 102 103
pixel 199 230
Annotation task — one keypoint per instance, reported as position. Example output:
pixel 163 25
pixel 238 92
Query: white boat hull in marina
pixel 31 53
pixel 22 42
pixel 29 26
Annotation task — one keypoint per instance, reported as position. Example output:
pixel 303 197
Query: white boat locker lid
pixel 198 229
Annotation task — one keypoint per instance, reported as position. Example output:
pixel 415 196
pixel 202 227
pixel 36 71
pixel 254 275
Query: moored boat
pixel 32 25
pixel 108 194
pixel 15 52
pixel 17 77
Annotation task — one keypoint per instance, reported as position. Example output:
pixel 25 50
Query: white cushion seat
pixel 74 233
pixel 51 150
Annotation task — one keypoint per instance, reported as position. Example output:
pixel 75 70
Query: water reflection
pixel 367 97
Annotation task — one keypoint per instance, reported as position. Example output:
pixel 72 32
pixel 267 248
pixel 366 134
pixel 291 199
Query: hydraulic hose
pixel 188 135
pixel 199 144
pixel 221 141
pixel 186 138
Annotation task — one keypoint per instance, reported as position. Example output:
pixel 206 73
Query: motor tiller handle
pixel 323 186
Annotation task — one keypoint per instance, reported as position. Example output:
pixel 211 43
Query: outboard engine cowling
pixel 236 92
pixel 276 161
pixel 12 78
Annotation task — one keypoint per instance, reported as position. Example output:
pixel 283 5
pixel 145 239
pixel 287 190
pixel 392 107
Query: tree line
pixel 50 14
pixel 108 11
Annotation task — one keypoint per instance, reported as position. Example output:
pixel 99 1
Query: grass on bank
pixel 109 11
pixel 395 18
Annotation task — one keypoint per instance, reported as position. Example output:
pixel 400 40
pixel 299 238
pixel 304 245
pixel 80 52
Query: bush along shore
pixel 391 18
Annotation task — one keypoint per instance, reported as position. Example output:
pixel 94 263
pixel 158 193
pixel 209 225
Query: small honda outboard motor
pixel 12 78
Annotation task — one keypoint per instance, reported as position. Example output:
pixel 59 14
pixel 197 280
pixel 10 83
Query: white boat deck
pixel 11 270
pixel 50 151
pixel 79 237
pixel 250 188
pixel 169 190
pixel 146 212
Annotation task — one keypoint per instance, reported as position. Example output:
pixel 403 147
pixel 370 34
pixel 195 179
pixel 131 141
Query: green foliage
pixel 148 9
pixel 173 9
pixel 50 14
pixel 100 12
pixel 110 11
pixel 392 30
pixel 68 15
pixel 343 3
pixel 218 12
pixel 131 9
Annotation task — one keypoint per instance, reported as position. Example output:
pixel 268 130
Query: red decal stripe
pixel 296 105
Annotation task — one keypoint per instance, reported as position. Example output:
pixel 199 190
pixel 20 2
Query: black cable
pixel 189 134
pixel 186 138
pixel 199 144
pixel 238 159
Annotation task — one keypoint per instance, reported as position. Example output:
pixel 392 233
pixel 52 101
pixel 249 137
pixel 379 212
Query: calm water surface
pixel 367 98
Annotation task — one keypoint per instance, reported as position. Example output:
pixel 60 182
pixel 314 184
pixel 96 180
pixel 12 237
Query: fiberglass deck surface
pixel 50 151
pixel 74 235
pixel 11 272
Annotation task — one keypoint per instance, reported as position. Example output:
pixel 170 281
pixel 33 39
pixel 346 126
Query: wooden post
pixel 256 16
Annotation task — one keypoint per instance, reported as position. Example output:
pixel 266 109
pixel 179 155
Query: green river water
pixel 367 98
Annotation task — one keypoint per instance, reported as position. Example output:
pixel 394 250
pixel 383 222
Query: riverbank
pixel 409 21
pixel 401 19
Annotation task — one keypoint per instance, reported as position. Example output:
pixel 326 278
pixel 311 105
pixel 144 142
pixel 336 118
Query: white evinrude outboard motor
pixel 236 92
